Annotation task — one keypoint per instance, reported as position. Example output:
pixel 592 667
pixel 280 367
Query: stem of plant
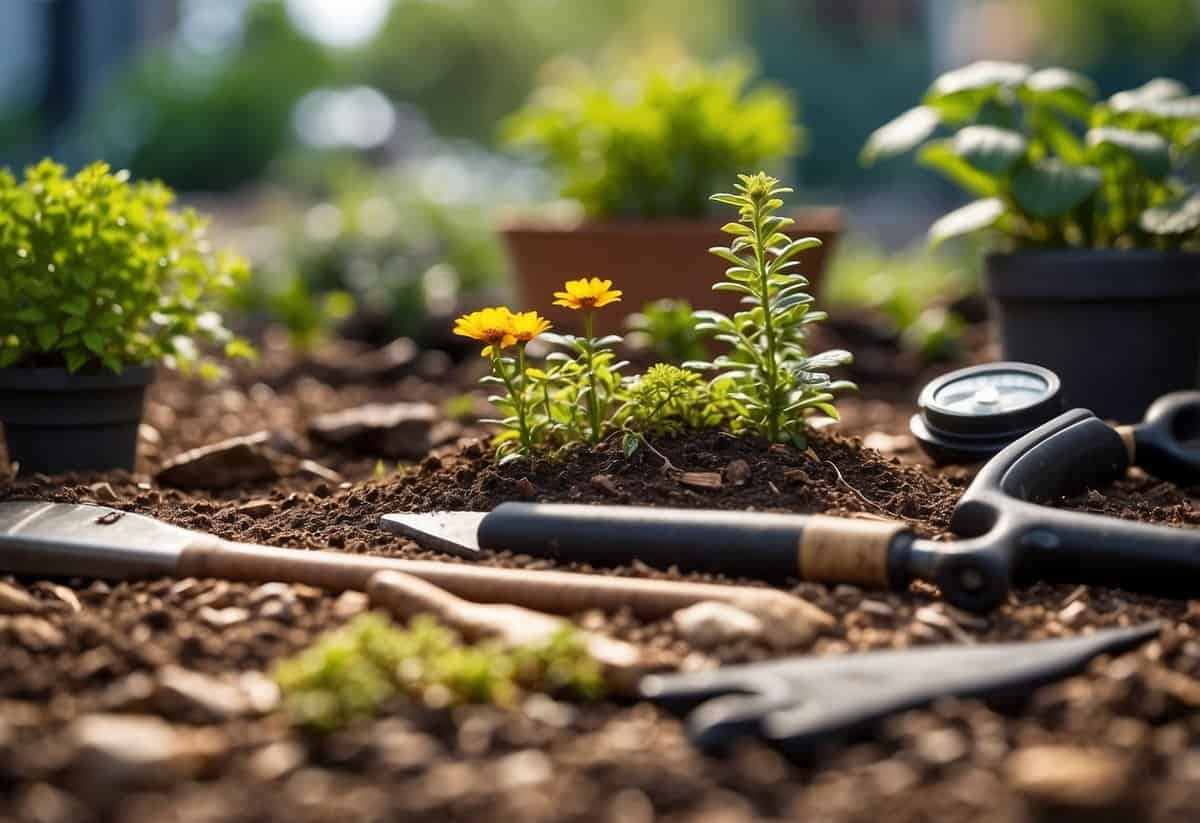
pixel 593 397
pixel 768 328
pixel 517 394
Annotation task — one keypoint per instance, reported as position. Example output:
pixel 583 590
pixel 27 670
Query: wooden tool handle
pixel 545 591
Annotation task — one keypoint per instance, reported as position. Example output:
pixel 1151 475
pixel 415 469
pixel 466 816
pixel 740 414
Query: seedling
pixel 666 327
pixel 102 272
pixel 351 673
pixel 1050 164
pixel 776 382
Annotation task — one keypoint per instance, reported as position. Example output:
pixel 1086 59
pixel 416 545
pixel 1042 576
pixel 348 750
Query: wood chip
pixel 701 480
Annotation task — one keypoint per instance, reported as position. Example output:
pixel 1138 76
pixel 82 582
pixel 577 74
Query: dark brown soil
pixel 96 647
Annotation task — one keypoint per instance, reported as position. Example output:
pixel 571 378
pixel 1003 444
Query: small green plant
pixel 776 382
pixel 102 272
pixel 669 400
pixel 1050 165
pixel 350 673
pixel 500 328
pixel 654 140
pixel 666 327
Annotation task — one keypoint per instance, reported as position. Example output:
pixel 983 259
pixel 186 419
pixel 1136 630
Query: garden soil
pixel 182 660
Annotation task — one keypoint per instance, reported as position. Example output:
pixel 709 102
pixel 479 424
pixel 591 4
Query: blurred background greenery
pixel 353 148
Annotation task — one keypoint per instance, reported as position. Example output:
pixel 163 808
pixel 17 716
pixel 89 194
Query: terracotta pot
pixel 647 259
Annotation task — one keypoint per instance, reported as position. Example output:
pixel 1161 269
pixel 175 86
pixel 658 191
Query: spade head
pixel 802 703
pixel 454 533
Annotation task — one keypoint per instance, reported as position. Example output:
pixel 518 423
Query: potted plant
pixel 100 279
pixel 640 151
pixel 1095 204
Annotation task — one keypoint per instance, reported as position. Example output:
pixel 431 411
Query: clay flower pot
pixel 647 259
pixel 1119 328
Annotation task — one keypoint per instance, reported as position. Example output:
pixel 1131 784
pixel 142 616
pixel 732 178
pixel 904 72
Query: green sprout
pixel 776 382
pixel 351 673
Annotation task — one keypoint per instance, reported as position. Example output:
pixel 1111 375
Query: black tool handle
pixel 1167 443
pixel 770 547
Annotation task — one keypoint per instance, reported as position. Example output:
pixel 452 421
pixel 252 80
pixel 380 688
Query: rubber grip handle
pixel 770 547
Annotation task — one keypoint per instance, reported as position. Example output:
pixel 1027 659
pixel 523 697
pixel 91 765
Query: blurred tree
pixel 212 120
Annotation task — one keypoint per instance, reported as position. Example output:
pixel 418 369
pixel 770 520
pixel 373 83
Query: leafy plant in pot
pixel 101 280
pixel 639 150
pixel 1097 209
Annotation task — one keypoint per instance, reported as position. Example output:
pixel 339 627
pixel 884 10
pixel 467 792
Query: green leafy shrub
pixel 910 289
pixel 666 327
pixel 777 383
pixel 1050 164
pixel 99 271
pixel 668 400
pixel 653 141
pixel 350 673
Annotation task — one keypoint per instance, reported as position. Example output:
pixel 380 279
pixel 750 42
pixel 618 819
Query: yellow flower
pixel 587 294
pixel 493 326
pixel 527 325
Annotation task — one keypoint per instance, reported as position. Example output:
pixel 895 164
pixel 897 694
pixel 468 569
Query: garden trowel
pixel 802 703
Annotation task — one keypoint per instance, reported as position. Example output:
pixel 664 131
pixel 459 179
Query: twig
pixel 864 498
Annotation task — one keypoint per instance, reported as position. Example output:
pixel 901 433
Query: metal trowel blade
pixel 454 533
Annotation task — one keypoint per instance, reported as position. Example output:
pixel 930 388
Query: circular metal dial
pixel 972 413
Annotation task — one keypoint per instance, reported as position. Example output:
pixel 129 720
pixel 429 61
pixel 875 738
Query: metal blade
pixel 75 540
pixel 450 532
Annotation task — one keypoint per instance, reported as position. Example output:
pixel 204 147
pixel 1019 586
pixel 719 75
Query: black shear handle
pixel 1167 443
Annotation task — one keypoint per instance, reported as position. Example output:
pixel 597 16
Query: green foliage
pixel 666 327
pixel 653 141
pixel 777 382
pixel 669 400
pixel 1050 164
pixel 98 271
pixel 911 289
pixel 351 673
pixel 308 318
pixel 576 395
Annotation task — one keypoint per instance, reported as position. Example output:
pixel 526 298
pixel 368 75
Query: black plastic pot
pixel 1120 328
pixel 56 422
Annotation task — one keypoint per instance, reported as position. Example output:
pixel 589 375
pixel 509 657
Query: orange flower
pixel 587 294
pixel 493 326
pixel 527 325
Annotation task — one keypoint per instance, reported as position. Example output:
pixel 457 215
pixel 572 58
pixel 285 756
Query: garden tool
pixel 800 704
pixel 73 540
pixel 971 414
pixel 1009 537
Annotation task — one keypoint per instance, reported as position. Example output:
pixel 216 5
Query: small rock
pixel 67 596
pixel 711 624
pixel 16 601
pixel 197 697
pixel 525 488
pixel 877 608
pixel 941 747
pixel 934 617
pixel 257 508
pixel 788 622
pixel 523 768
pixel 349 604
pixel 261 692
pixel 271 591
pixel 138 750
pixel 1057 780
pixel 221 618
pixel 149 435
pixel 701 480
pixel 227 463
pixel 35 634
pixel 888 443
pixel 604 483
pixel 276 760
pixel 103 492
pixel 394 430
pixel 737 472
